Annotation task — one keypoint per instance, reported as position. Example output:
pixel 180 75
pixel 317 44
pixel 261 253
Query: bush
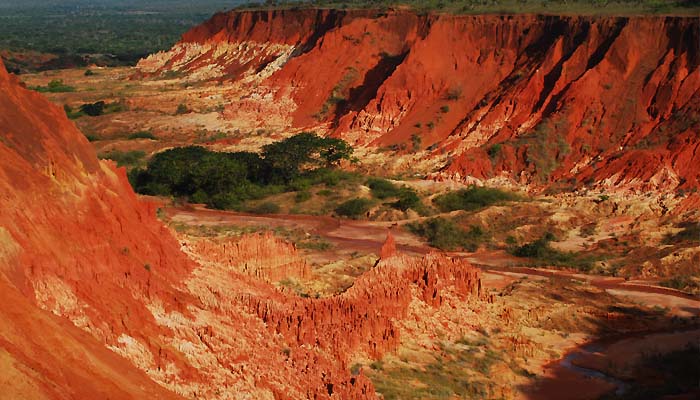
pixel 142 135
pixel 89 72
pixel 408 198
pixel 93 109
pixel 354 208
pixel 445 234
pixel 472 199
pixel 494 151
pixel 544 253
pixel 416 141
pixel 302 196
pixel 266 208
pixel 55 86
pixel 382 188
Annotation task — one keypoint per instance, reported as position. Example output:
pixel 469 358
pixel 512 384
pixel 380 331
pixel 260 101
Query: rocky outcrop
pixel 262 256
pixel 612 102
pixel 362 318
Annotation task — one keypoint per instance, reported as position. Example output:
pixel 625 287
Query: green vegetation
pixel 302 196
pixel 406 197
pixel 94 109
pixel 416 141
pixel 305 151
pixel 454 93
pixel 546 148
pixel 314 244
pixel 459 371
pixel 473 198
pixel 225 180
pixel 55 86
pixel 445 234
pixel 265 208
pixel 106 32
pixel 142 135
pixel 543 253
pixel 494 151
pixel 124 158
pixel 91 138
pixel 339 93
pixel 354 208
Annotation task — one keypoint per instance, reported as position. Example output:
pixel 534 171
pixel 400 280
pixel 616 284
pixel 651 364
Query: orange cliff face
pixel 90 277
pixel 612 102
pixel 65 219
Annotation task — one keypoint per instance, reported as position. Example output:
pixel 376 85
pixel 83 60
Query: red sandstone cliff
pixel 604 101
pixel 87 268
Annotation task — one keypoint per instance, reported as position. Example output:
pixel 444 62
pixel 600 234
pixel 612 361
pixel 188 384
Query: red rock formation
pixel 262 256
pixel 611 101
pixel 389 247
pixel 361 319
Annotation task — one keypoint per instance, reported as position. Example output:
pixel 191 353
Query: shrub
pixel 382 188
pixel 473 198
pixel 142 135
pixel 93 109
pixel 266 208
pixel 354 208
pixel 494 151
pixel 55 86
pixel 302 196
pixel 416 141
pixel 455 93
pixel 89 72
pixel 445 109
pixel 543 252
pixel 445 234
pixel 408 198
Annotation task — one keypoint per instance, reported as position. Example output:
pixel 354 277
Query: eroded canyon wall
pixel 612 102
pixel 98 296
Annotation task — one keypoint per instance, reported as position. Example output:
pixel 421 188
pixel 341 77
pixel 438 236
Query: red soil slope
pixel 65 215
pixel 609 101
pixel 77 243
